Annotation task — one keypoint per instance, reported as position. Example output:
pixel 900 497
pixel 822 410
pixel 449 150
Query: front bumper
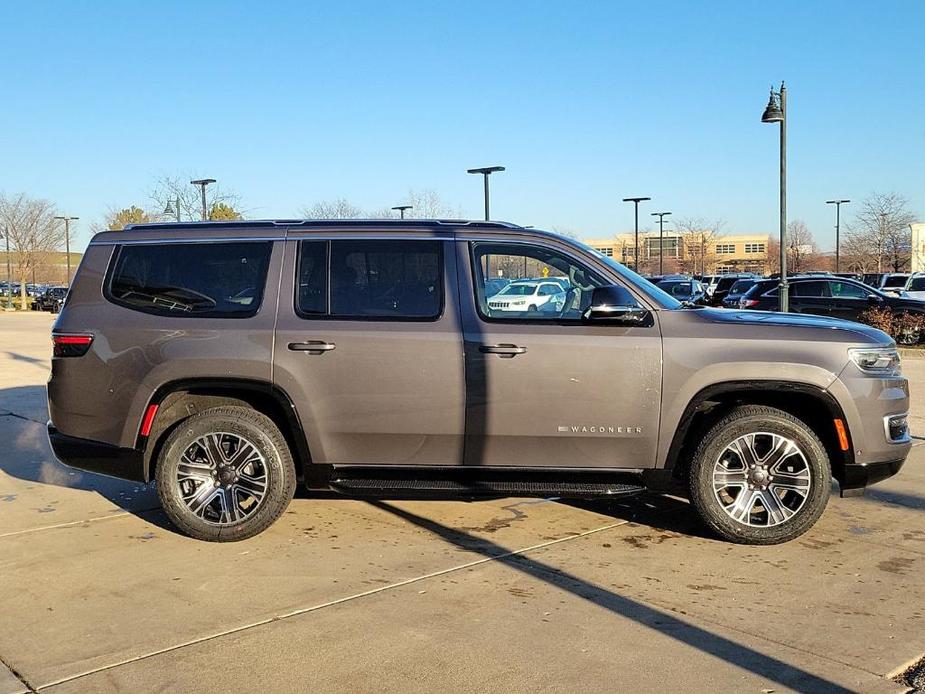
pixel 97 457
pixel 855 477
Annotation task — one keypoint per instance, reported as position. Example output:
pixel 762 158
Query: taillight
pixel 71 345
pixel 748 303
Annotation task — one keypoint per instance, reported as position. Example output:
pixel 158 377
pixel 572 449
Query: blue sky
pixel 584 103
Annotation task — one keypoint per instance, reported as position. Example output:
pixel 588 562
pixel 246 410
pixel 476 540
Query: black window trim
pixel 238 315
pixel 476 276
pixel 328 240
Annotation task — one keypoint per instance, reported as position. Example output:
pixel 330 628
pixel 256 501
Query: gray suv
pixel 232 361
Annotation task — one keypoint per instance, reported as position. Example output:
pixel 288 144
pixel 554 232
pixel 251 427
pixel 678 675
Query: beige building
pixel 687 253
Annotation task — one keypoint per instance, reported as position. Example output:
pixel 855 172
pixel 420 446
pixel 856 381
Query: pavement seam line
pixel 68 524
pixel 20 416
pixel 18 675
pixel 330 603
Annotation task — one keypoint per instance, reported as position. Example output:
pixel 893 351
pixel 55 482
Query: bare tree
pixel 698 241
pixel 341 208
pixel 801 247
pixel 881 230
pixel 33 232
pixel 178 191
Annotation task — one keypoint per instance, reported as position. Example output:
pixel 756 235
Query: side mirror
pixel 874 299
pixel 615 305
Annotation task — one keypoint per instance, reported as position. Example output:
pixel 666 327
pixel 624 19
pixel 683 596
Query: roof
pixel 321 223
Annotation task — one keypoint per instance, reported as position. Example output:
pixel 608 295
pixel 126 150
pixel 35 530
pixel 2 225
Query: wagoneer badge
pixel 602 429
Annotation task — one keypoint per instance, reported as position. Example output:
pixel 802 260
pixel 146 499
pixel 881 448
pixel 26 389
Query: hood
pixel 854 332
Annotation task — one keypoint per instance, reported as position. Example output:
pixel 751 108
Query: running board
pixel 378 482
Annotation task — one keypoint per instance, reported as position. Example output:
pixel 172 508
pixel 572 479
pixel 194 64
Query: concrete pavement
pixel 99 593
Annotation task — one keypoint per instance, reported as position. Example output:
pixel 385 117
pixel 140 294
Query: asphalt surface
pixel 98 593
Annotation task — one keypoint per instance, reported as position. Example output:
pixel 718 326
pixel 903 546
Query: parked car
pixel 51 299
pixel 835 297
pixel 915 287
pixel 527 295
pixel 737 290
pixel 370 361
pixel 685 289
pixel 894 282
pixel 725 283
pixel 709 283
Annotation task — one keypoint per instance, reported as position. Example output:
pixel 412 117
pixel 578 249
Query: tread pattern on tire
pixel 280 490
pixel 700 479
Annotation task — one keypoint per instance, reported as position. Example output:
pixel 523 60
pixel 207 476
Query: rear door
pixel 369 347
pixel 811 297
pixel 544 388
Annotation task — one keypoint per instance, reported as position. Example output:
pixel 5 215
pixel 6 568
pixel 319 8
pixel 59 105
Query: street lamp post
pixel 401 209
pixel 776 112
pixel 9 272
pixel 168 209
pixel 838 204
pixel 661 235
pixel 486 171
pixel 636 202
pixel 202 183
pixel 67 243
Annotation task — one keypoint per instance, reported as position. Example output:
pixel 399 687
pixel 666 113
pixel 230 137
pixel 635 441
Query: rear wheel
pixel 760 476
pixel 225 474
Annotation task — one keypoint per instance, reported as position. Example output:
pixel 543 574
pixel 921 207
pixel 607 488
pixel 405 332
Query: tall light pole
pixel 838 204
pixel 661 234
pixel 776 112
pixel 636 202
pixel 9 272
pixel 486 171
pixel 202 183
pixel 168 209
pixel 67 243
pixel 401 209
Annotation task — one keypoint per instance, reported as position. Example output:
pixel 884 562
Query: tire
pixel 531 308
pixel 241 494
pixel 778 444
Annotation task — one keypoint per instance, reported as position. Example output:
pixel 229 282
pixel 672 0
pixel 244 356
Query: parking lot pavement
pixel 99 593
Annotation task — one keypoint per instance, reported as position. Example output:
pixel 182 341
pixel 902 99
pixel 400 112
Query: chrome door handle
pixel 505 351
pixel 312 346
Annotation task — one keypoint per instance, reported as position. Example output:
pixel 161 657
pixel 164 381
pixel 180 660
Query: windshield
pixel 917 284
pixel 518 290
pixel 895 281
pixel 653 292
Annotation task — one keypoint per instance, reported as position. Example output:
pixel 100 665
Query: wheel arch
pixel 183 398
pixel 810 403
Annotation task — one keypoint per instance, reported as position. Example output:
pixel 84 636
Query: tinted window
pixel 205 280
pixel 725 283
pixel 386 279
pixel 741 286
pixel 895 281
pixel 847 290
pixel 313 278
pixel 917 284
pixel 809 289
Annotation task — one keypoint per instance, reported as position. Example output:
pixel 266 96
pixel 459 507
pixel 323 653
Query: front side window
pixel 544 284
pixel 371 280
pixel 847 290
pixel 203 280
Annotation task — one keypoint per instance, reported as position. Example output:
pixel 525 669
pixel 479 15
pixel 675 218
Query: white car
pixel 528 296
pixel 915 286
pixel 894 282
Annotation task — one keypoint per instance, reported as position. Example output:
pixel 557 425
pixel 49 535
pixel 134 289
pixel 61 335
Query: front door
pixel 849 299
pixel 369 348
pixel 544 388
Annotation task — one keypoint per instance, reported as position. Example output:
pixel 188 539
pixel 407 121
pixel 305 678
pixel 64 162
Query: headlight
pixel 882 361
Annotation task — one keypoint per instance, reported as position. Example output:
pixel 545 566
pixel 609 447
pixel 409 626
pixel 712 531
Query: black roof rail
pixel 268 223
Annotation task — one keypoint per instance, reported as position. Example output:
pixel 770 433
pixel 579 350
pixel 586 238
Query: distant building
pixel 918 247
pixel 721 255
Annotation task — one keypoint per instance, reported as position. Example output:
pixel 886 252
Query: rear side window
pixel 202 280
pixel 371 280
pixel 809 289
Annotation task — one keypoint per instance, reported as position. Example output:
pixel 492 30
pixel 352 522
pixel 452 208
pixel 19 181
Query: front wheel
pixel 760 476
pixel 225 474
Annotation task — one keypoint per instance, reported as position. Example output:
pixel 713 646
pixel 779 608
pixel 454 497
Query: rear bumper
pixel 97 457
pixel 855 477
